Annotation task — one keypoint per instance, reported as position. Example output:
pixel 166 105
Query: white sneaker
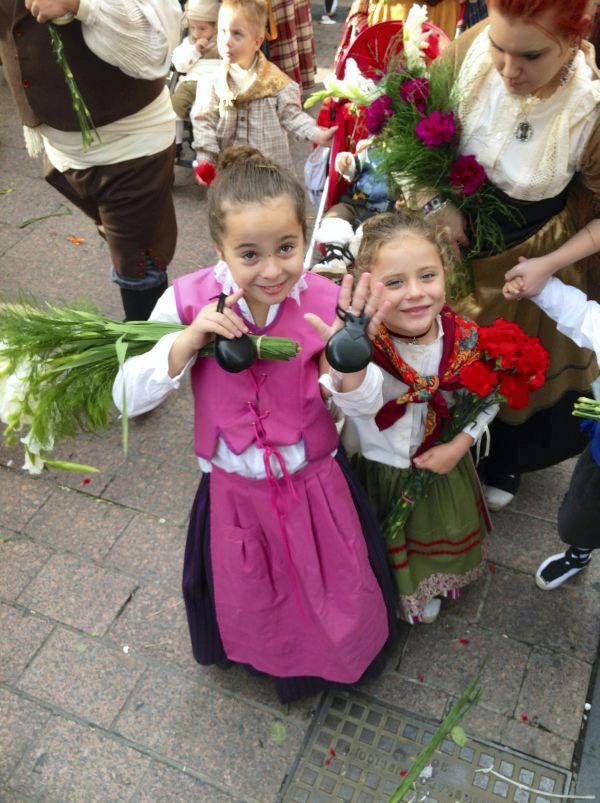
pixel 496 498
pixel 431 610
pixel 326 20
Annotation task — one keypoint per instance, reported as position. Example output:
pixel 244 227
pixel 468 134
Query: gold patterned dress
pixel 370 12
pixel 543 157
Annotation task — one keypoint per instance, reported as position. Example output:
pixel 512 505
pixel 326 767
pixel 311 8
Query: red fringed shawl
pixel 460 349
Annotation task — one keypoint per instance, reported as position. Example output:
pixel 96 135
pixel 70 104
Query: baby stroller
pixel 372 50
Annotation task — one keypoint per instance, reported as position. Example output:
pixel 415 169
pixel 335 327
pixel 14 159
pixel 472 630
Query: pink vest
pixel 272 403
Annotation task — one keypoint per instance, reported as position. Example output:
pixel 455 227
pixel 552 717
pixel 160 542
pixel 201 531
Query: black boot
pixel 138 304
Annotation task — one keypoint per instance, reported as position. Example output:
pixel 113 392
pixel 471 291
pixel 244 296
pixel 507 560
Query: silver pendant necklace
pixel 524 131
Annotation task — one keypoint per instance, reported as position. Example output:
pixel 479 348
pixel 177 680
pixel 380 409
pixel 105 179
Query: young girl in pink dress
pixel 284 567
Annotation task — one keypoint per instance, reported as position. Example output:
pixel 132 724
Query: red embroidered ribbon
pixel 459 349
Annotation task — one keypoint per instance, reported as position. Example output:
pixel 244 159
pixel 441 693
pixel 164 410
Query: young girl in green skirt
pixel 395 410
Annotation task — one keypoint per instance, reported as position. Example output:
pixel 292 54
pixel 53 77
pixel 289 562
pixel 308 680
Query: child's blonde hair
pixel 255 10
pixel 380 229
pixel 245 176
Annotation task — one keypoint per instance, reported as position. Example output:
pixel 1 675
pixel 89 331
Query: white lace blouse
pixel 396 445
pixel 562 125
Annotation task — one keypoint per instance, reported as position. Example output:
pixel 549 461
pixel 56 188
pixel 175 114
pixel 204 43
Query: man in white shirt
pixel 119 52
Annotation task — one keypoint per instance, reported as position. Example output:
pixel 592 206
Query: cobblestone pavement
pixel 100 698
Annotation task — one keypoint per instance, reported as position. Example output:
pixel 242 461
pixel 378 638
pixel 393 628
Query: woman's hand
pixel 48 10
pixel 324 136
pixel 441 459
pixel 532 275
pixel 452 219
pixel 207 323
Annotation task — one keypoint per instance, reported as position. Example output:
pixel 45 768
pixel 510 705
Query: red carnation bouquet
pixel 508 366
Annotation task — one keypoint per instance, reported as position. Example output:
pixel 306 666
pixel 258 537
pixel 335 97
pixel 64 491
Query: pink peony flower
pixel 378 113
pixel 415 90
pixel 467 175
pixel 436 129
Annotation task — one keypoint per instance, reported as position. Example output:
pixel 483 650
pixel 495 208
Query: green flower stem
pixel 467 700
pixel 86 123
pixel 70 356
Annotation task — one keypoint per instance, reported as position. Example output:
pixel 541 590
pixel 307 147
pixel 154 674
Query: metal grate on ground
pixel 357 749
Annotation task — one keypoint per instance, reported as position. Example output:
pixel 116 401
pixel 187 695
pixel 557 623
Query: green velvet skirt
pixel 442 546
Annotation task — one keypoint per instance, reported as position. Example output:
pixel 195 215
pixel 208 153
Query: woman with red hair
pixel 529 105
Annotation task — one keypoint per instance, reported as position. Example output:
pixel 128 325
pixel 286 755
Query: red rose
pixel 514 389
pixel 467 175
pixel 479 378
pixel 206 171
pixel 436 129
pixel 416 91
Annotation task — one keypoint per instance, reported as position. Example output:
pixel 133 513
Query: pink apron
pixel 294 592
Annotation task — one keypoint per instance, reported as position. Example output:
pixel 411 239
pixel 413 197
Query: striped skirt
pixel 442 546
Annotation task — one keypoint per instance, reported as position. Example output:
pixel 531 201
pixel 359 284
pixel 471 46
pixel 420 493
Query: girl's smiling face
pixel 413 275
pixel 263 245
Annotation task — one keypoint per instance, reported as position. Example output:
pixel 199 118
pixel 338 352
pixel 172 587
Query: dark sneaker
pixel 556 569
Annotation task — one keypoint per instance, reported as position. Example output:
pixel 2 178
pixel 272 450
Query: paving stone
pixel 21 721
pixel 164 489
pixel 565 620
pixel 82 676
pixel 468 607
pixel 21 635
pixel 151 550
pixel 10 796
pixel 73 762
pixel 521 541
pixel 554 693
pixel 167 785
pixel 154 624
pixel 502 673
pixel 20 497
pixel 391 687
pixel 171 423
pixel 541 492
pixel 104 451
pixel 481 723
pixel 20 561
pixel 78 593
pixel 79 523
pixel 256 689
pixel 446 654
pixel 535 742
pixel 242 748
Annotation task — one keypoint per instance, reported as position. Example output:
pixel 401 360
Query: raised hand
pixel 361 300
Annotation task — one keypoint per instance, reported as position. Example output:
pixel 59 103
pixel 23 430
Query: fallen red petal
pixel 332 752
pixel 421 679
pixel 86 481
pixel 492 568
pixel 327 761
pixel 524 717
pixel 464 640
pixel 404 773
